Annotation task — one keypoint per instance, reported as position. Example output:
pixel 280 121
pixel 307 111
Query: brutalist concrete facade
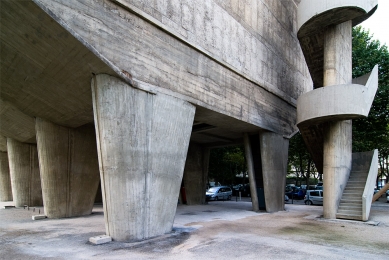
pixel 154 77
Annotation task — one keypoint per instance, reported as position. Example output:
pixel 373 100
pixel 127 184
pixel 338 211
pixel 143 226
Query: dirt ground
pixel 219 230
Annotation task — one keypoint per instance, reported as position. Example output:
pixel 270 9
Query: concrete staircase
pixel 357 196
pixel 350 206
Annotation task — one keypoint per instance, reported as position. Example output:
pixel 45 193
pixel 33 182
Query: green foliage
pixel 372 132
pixel 225 163
pixel 299 160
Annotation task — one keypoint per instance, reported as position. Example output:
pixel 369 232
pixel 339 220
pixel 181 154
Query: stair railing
pixel 368 192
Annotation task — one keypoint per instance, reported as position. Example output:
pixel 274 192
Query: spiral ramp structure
pixel 324 114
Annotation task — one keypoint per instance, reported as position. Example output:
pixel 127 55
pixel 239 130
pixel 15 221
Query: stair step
pixel 348 216
pixel 357 178
pixel 350 212
pixel 354 207
pixel 348 194
pixel 351 201
pixel 354 188
pixel 350 204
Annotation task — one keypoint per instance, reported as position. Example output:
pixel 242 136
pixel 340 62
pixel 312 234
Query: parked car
pixel 286 198
pixel 313 197
pixel 219 193
pixel 295 193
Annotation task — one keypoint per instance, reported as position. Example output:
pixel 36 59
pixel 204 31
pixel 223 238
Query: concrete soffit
pixel 308 9
pixel 146 87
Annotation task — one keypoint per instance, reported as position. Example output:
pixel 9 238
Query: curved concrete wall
pixel 338 102
pixel 311 8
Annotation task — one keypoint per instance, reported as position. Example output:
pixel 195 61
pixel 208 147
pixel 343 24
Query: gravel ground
pixel 228 230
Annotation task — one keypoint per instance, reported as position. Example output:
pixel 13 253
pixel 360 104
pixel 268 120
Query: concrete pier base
pixel 274 156
pixel 196 174
pixel 336 164
pixel 69 168
pixel 24 172
pixel 5 179
pixel 142 141
pixel 337 146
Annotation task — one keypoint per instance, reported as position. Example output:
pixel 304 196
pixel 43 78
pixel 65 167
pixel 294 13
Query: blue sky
pixel 378 23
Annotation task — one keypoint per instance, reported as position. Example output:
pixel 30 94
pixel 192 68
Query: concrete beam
pixel 274 155
pixel 5 179
pixel 142 142
pixel 24 171
pixel 69 168
pixel 196 174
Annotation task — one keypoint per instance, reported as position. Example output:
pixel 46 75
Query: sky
pixel 378 23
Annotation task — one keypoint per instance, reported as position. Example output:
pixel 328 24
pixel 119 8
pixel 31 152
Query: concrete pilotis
pixel 69 168
pixel 142 141
pixel 250 169
pixel 274 156
pixel 337 137
pixel 5 179
pixel 196 173
pixel 24 172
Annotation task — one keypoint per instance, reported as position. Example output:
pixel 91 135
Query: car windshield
pixel 213 189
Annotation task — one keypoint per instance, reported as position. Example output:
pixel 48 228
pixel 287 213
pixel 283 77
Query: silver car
pixel 313 197
pixel 219 193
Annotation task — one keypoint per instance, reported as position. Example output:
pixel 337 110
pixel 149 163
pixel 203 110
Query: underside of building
pixel 134 94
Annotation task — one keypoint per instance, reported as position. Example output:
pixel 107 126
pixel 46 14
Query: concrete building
pixel 161 82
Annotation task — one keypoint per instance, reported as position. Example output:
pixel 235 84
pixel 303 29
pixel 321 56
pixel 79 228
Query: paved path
pixel 219 230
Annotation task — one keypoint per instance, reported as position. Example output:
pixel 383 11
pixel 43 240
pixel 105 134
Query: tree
pixel 372 132
pixel 299 159
pixel 225 163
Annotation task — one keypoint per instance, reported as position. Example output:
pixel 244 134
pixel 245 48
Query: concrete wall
pixel 25 175
pixel 142 145
pixel 5 179
pixel 196 174
pixel 69 168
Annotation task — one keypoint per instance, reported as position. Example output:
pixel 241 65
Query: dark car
pixel 245 190
pixel 295 193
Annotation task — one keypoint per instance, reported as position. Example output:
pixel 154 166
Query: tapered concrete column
pixel 274 155
pixel 337 138
pixel 250 169
pixel 69 168
pixel 24 172
pixel 196 174
pixel 5 179
pixel 142 141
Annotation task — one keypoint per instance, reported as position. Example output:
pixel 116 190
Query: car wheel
pixel 308 202
pixel 217 198
pixel 229 197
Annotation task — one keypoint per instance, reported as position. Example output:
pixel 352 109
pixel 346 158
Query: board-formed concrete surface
pixel 222 229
